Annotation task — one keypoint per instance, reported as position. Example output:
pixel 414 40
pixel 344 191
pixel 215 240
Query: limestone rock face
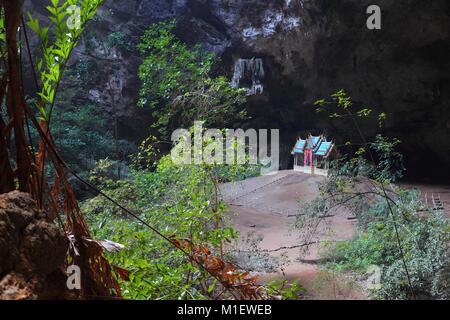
pixel 310 49
pixel 32 249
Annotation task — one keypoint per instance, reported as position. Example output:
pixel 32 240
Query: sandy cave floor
pixel 266 206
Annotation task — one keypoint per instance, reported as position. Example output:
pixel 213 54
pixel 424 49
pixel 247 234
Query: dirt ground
pixel 266 206
pixel 32 250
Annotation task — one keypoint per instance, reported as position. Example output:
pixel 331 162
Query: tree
pixel 365 178
pixel 22 166
pixel 177 84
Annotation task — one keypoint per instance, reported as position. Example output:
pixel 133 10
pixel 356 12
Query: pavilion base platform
pixel 313 170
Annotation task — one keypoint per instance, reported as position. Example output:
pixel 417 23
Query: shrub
pixel 178 200
pixel 424 238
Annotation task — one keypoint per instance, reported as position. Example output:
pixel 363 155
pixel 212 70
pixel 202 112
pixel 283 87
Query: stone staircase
pixel 435 202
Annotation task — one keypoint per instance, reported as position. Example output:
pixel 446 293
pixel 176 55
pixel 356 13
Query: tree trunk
pixel 14 98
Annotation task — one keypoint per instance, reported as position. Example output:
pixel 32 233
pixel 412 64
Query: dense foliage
pixel 178 200
pixel 84 136
pixel 424 237
pixel 389 167
pixel 177 84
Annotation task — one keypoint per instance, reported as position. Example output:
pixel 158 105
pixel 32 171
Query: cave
pixel 309 50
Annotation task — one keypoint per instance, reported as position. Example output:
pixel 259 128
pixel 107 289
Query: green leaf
pixel 52 10
pixel 33 24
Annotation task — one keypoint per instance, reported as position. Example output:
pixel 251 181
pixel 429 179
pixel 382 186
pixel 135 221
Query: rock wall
pixel 310 49
pixel 32 250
